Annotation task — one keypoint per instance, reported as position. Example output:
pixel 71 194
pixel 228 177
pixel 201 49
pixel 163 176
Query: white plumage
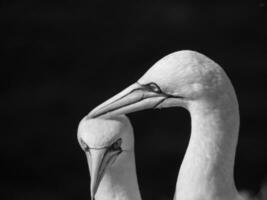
pixel 191 80
pixel 109 148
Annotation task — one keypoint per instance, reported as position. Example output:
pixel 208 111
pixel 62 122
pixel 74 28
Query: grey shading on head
pixel 104 141
pixel 99 133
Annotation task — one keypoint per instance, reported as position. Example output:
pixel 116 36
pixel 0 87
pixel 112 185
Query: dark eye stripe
pixel 116 146
pixel 153 87
pixel 84 145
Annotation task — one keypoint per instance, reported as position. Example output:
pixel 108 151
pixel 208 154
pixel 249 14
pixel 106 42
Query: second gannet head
pixel 106 143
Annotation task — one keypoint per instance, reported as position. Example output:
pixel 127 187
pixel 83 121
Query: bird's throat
pixel 207 168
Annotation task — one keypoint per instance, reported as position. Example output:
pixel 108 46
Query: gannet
pixel 109 148
pixel 193 81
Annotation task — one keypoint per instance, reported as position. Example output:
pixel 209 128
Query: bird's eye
pixel 84 145
pixel 116 146
pixel 153 87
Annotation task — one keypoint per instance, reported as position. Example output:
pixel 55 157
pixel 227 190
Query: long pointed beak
pixel 96 168
pixel 98 161
pixel 134 98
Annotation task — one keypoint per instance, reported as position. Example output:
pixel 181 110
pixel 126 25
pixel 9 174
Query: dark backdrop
pixel 59 59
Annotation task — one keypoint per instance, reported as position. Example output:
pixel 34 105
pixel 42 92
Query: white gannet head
pixel 174 80
pixel 105 142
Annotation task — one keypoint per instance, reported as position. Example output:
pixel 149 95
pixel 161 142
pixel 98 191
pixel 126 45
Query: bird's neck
pixel 207 169
pixel 120 180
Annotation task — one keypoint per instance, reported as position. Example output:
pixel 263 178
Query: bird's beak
pixel 134 98
pixel 98 161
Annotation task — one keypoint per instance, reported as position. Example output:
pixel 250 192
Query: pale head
pixel 106 143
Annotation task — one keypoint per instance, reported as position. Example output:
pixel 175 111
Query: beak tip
pixel 91 115
pixel 92 196
pixel 93 191
pixel 99 114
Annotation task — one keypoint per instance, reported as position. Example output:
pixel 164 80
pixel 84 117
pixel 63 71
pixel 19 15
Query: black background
pixel 59 59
